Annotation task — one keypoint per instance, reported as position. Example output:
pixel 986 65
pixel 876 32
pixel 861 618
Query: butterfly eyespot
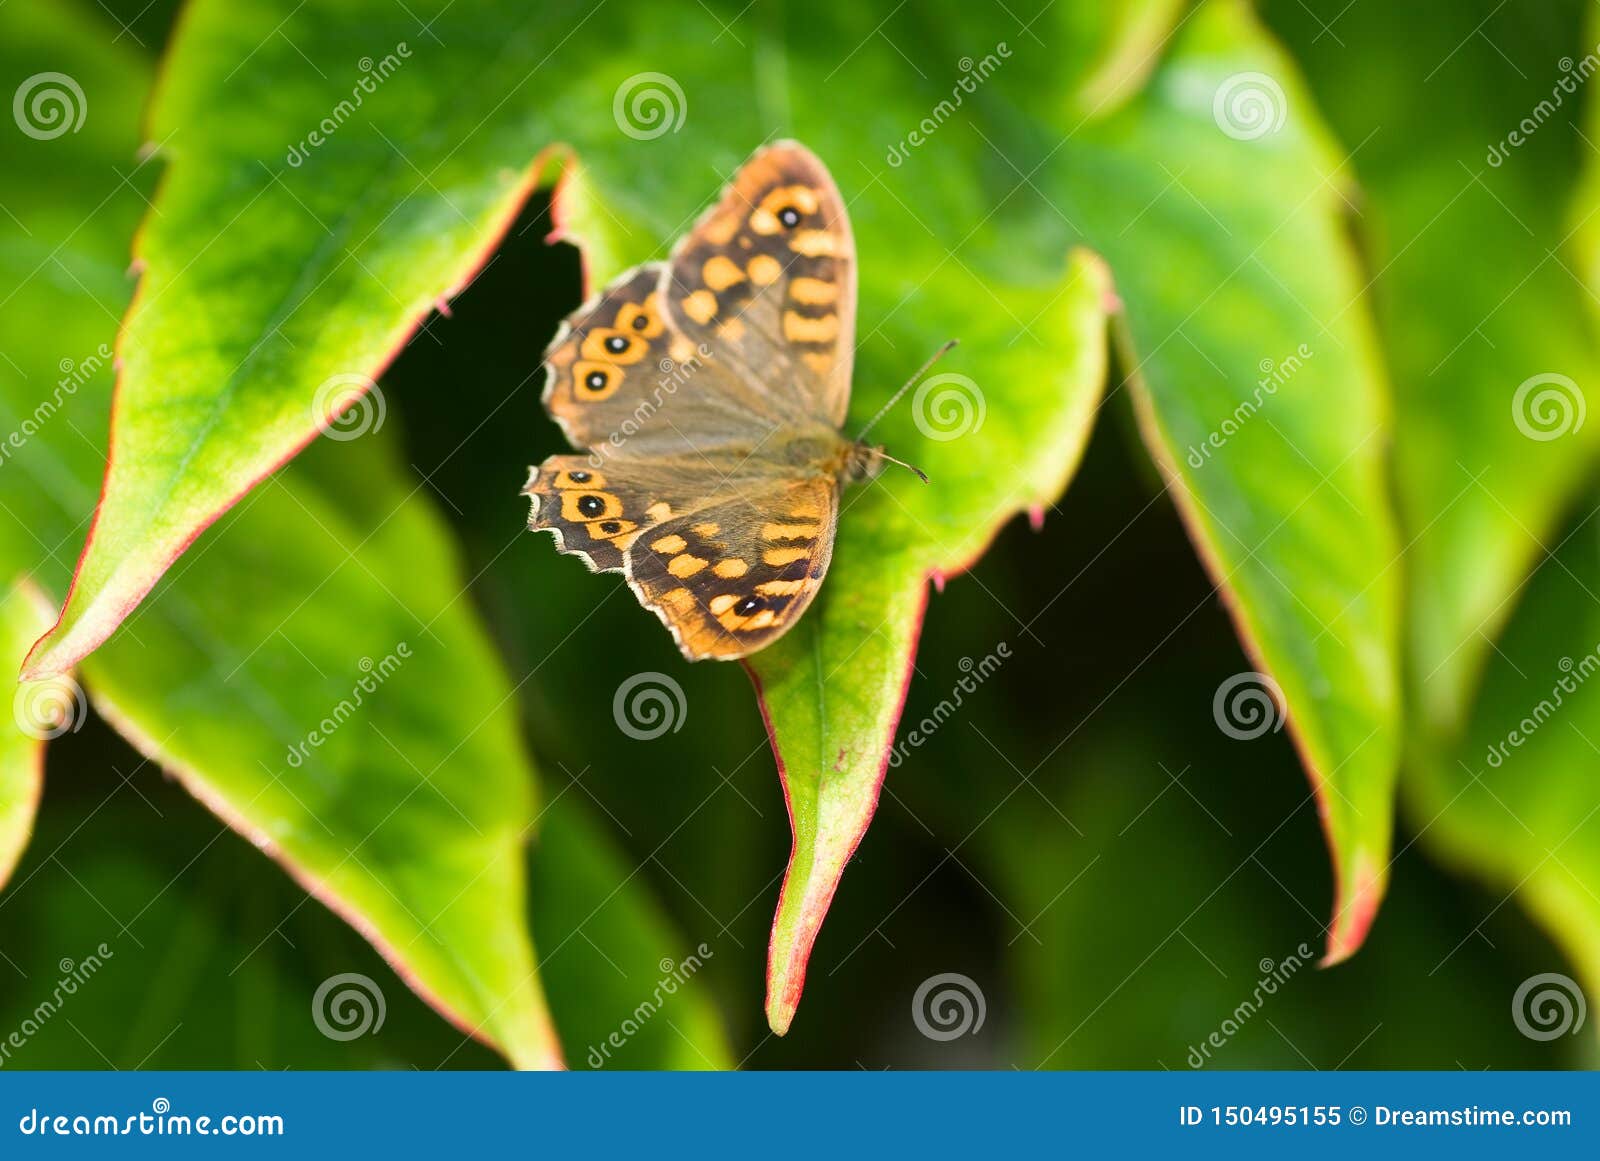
pixel 747 606
pixel 579 477
pixel 640 321
pixel 616 344
pixel 595 380
pixel 591 506
pixel 789 216
pixel 611 527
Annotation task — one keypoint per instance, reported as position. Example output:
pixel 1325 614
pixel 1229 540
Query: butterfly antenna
pixel 883 455
pixel 895 398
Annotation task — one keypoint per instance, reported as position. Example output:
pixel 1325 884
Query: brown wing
pixel 767 278
pixel 597 510
pixel 624 382
pixel 727 567
pixel 733 577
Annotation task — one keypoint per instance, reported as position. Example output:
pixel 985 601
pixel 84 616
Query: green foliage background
pixel 1111 870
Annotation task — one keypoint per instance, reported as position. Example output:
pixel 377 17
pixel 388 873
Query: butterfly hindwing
pixel 732 577
pixel 592 515
pixel 598 509
pixel 767 278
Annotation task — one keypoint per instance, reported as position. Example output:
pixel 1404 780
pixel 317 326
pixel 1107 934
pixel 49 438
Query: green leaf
pixel 314 675
pixel 202 926
pixel 275 285
pixel 1477 292
pixel 375 754
pixel 1517 804
pixel 833 688
pixel 1254 373
pixel 40 710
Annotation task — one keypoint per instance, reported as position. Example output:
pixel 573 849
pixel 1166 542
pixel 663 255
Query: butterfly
pixel 709 390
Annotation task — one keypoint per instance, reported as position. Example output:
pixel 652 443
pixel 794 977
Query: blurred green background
pixel 1110 870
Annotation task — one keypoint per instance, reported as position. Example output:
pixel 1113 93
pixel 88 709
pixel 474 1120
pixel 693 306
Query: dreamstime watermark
pixel 373 675
pixel 649 105
pixel 1274 375
pixel 673 976
pixel 50 708
pixel 1548 1006
pixel 74 374
pixel 48 105
pixel 74 974
pixel 348 1006
pixel 947 407
pixel 160 1121
pixel 1248 705
pixel 948 1006
pixel 975 674
pixel 973 74
pixel 674 373
pixel 349 406
pixel 1249 106
pixel 1573 74
pixel 1273 976
pixel 1548 406
pixel 373 74
pixel 649 704
pixel 1574 674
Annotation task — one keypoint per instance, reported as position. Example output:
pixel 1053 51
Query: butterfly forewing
pixel 625 383
pixel 768 277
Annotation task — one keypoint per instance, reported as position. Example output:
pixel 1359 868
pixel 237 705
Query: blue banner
pixel 816 1114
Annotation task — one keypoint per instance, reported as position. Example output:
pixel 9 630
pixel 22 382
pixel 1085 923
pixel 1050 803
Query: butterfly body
pixel 709 390
pixel 827 452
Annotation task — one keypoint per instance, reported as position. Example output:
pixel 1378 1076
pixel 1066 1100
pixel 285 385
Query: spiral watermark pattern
pixel 48 709
pixel 1249 106
pixel 350 406
pixel 947 407
pixel 1548 406
pixel 348 1006
pixel 948 1006
pixel 649 105
pixel 649 704
pixel 1248 705
pixel 1548 1006
pixel 48 105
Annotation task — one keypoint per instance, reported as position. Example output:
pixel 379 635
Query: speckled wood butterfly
pixel 709 390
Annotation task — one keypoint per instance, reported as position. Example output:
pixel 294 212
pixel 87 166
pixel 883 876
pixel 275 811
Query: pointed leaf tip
pixel 1355 908
pixel 832 691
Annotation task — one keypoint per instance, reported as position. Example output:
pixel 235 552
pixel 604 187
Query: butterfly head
pixel 861 462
